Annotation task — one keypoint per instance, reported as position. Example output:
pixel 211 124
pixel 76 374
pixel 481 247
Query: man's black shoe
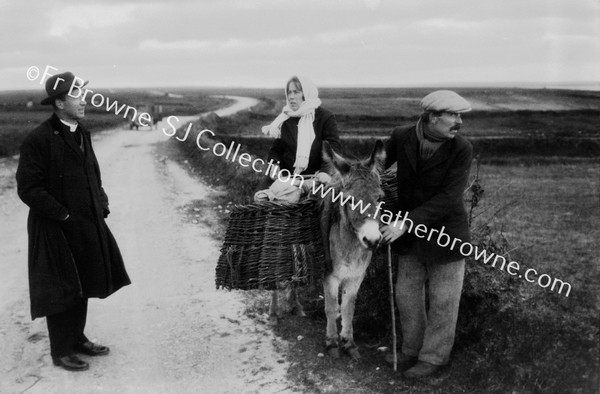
pixel 404 361
pixel 421 370
pixel 91 349
pixel 71 363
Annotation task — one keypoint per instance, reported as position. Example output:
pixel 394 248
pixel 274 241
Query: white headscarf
pixel 306 113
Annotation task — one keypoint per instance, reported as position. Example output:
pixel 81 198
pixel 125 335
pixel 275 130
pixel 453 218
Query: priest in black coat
pixel 72 254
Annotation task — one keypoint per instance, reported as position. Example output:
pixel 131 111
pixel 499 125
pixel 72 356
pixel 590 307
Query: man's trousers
pixel 428 334
pixel 65 329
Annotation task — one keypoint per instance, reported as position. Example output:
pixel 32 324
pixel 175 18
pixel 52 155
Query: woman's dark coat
pixel 73 258
pixel 283 149
pixel 432 192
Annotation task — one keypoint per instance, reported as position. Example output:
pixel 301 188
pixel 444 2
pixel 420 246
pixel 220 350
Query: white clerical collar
pixel 72 127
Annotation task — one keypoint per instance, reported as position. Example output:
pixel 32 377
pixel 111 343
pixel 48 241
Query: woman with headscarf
pixel 300 130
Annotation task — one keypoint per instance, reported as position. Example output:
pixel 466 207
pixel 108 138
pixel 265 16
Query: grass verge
pixel 512 336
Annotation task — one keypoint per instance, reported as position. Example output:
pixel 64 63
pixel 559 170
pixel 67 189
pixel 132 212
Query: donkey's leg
pixel 349 293
pixel 284 299
pixel 297 308
pixel 274 308
pixel 331 286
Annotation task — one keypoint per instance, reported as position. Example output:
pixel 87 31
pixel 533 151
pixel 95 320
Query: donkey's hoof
pixel 353 352
pixel 273 320
pixel 350 347
pixel 333 351
pixel 298 312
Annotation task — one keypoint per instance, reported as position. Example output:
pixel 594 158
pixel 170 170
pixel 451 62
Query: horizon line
pixel 573 85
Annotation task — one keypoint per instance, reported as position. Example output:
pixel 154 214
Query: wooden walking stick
pixel 394 352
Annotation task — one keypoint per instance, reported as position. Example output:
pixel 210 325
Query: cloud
pixel 89 16
pixel 227 44
pixel 175 46
pixel 449 24
pixel 137 42
pixel 351 35
pixel 565 39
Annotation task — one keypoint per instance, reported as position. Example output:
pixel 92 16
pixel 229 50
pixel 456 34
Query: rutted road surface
pixel 170 331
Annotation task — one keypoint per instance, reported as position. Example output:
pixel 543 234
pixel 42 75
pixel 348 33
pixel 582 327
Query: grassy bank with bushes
pixel 512 336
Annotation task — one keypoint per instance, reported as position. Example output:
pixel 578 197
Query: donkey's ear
pixel 377 161
pixel 334 161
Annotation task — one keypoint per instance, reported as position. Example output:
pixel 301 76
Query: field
pixel 539 154
pixel 506 124
pixel 17 117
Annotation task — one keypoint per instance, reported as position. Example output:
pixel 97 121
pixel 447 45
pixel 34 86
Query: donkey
pixel 350 237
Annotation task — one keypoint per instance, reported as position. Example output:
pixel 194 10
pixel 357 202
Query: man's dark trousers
pixel 65 329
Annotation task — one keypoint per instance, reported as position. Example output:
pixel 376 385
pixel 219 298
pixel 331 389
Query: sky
pixel 262 43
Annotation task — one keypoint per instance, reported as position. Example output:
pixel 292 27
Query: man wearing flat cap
pixel 72 254
pixel 433 169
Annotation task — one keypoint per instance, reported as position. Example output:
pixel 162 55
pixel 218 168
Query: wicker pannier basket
pixel 270 244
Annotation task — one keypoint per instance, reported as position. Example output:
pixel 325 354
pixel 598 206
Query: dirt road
pixel 170 331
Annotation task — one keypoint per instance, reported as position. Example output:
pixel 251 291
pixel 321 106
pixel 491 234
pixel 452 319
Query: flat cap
pixel 445 100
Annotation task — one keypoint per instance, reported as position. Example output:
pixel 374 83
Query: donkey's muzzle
pixel 369 235
pixel 370 243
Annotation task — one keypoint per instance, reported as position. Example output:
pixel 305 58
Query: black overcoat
pixel 283 149
pixel 73 258
pixel 432 193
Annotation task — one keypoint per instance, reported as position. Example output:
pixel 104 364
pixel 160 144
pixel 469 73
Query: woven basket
pixel 269 244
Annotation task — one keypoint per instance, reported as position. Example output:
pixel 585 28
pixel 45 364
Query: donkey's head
pixel 358 186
